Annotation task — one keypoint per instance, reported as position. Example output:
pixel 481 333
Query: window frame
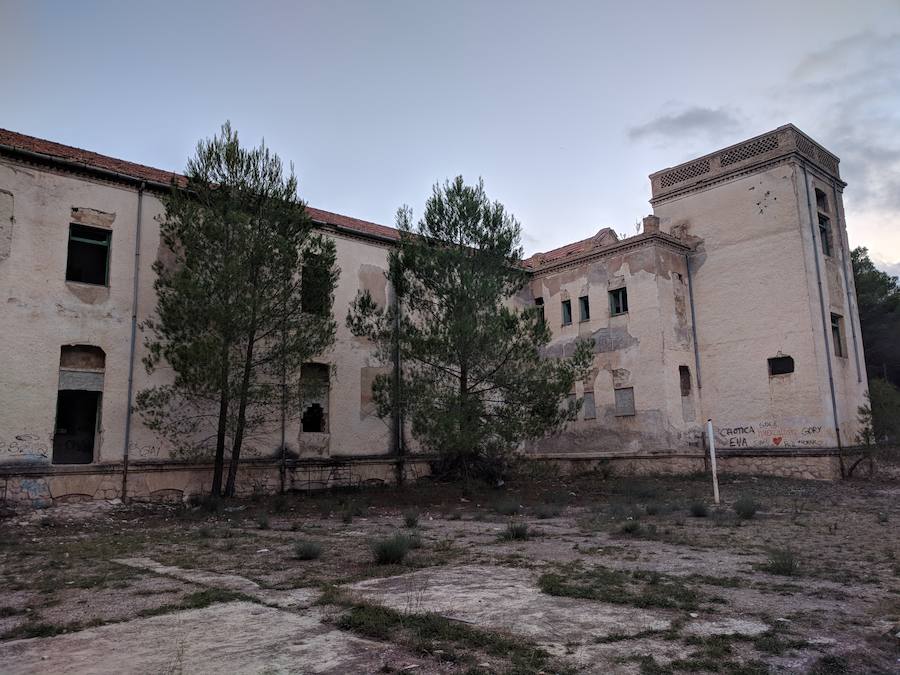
pixel 539 304
pixel 618 297
pixel 584 309
pixel 619 413
pixel 825 236
pixel 837 335
pixel 105 243
pixel 566 308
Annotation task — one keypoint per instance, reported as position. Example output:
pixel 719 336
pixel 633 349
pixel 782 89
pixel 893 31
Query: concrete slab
pixel 234 637
pixel 292 599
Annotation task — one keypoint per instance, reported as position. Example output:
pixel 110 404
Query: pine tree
pixel 243 301
pixel 473 382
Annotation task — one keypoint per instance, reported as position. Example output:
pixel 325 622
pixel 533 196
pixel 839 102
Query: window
pixel 584 308
pixel 684 376
pixel 825 234
pixel 781 365
pixel 837 334
pixel 821 201
pixel 618 301
pixel 566 312
pixel 624 401
pixel 589 406
pixel 315 286
pixel 314 393
pixel 539 304
pixel 88 261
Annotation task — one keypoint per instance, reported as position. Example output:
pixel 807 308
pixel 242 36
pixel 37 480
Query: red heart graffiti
pixel 777 440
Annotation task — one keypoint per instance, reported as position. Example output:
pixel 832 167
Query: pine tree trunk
pixel 219 463
pixel 241 420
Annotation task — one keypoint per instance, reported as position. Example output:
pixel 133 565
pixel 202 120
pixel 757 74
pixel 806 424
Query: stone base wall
pixel 41 486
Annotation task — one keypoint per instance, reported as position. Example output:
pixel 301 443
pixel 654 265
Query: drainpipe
pixel 687 259
pixel 134 314
pixel 825 323
pixel 842 227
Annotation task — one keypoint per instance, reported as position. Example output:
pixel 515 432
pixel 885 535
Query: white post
pixel 712 459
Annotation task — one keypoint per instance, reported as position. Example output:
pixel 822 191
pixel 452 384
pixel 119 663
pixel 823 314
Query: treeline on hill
pixel 878 296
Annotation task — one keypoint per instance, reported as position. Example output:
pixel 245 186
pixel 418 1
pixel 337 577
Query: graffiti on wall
pixel 770 434
pixel 29 446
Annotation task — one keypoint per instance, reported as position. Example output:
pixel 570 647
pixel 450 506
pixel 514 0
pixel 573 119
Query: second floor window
pixel 88 256
pixel 618 301
pixel 825 234
pixel 566 312
pixel 584 308
pixel 539 304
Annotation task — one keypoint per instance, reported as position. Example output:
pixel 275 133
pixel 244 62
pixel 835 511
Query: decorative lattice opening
pixel 828 161
pixel 684 173
pixel 748 150
pixel 806 147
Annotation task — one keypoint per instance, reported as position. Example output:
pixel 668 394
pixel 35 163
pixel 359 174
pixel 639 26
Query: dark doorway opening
pixel 313 418
pixel 76 426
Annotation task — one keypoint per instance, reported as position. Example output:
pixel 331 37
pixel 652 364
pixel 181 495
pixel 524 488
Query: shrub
pixel 307 550
pixel 699 510
pixel 745 507
pixel 263 521
pixel 515 531
pixel 630 527
pixel 347 515
pixel 413 540
pixel 391 550
pixel 652 509
pixel 783 562
pixel 280 503
pixel 507 506
pixel 411 517
pixel 544 511
pixel 204 532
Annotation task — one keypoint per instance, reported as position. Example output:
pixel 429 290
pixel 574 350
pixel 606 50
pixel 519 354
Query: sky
pixel 563 108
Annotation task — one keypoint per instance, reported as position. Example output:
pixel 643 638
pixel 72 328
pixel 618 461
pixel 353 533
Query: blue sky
pixel 563 108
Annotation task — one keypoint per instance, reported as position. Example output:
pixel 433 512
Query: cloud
pixel 692 121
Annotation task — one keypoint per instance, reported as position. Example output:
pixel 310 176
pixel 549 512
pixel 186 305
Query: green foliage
pixel 391 550
pixel 507 506
pixel 516 531
pixel 411 517
pixel 475 381
pixel 746 507
pixel 230 318
pixel 549 510
pixel 878 298
pixel 783 562
pixel 307 550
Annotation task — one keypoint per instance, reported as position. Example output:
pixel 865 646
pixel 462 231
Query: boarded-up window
pixel 624 401
pixel 589 406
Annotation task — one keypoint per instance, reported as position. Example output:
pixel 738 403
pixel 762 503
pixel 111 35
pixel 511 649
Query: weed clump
pixel 391 550
pixel 507 506
pixel 699 509
pixel 746 507
pixel 545 511
pixel 262 520
pixel 630 527
pixel 782 562
pixel 307 550
pixel 516 531
pixel 411 517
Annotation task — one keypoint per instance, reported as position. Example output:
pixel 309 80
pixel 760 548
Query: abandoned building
pixel 735 303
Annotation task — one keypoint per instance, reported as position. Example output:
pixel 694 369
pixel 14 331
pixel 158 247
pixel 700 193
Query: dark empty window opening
pixel 315 285
pixel 825 234
pixel 837 334
pixel 781 365
pixel 821 201
pixel 584 308
pixel 313 419
pixel 566 312
pixel 618 301
pixel 684 376
pixel 88 257
pixel 539 304
pixel 77 413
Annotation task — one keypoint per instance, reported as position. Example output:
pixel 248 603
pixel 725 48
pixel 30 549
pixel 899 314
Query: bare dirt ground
pixel 591 574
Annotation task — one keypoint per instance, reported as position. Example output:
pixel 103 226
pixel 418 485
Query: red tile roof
pixel 92 160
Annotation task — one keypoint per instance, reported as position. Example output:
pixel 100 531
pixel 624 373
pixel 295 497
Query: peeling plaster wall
pixel 756 297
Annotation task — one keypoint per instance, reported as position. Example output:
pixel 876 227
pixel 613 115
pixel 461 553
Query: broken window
pixel 88 257
pixel 825 234
pixel 584 308
pixel 589 406
pixel 837 334
pixel 315 285
pixel 624 401
pixel 684 375
pixel 315 390
pixel 781 365
pixel 821 200
pixel 618 301
pixel 539 304
pixel 81 370
pixel 566 312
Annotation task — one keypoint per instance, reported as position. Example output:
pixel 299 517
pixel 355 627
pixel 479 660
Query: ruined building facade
pixel 735 303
